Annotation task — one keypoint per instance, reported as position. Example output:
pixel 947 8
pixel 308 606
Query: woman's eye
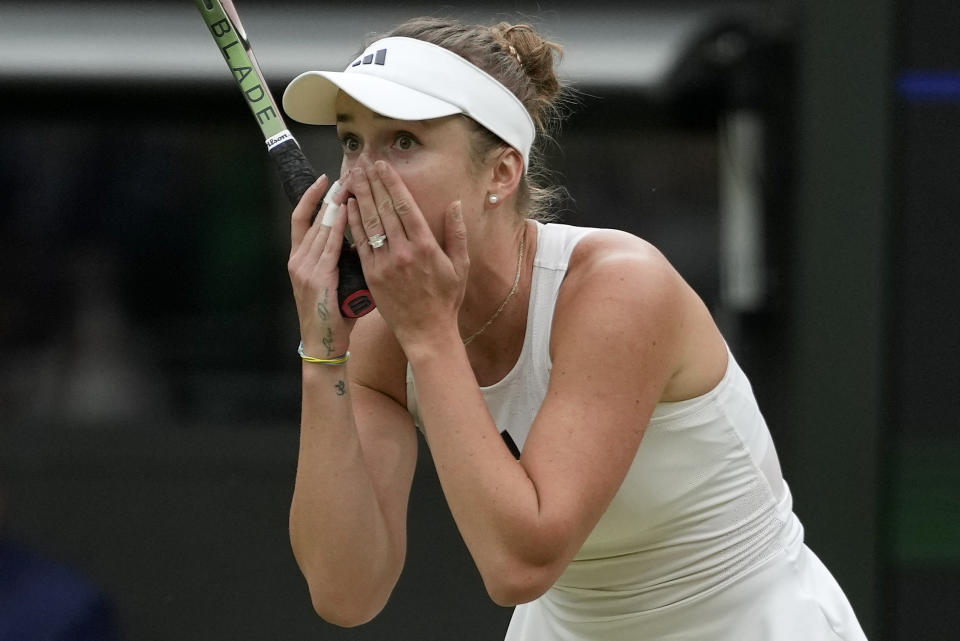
pixel 405 142
pixel 350 144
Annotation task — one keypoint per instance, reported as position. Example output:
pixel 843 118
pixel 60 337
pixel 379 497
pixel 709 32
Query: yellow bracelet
pixel 339 360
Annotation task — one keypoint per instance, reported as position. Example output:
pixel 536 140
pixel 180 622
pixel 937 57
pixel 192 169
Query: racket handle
pixel 297 175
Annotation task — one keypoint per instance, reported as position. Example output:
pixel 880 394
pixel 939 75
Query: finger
pixel 455 239
pixel 302 215
pixel 369 216
pixel 334 244
pixel 390 203
pixel 404 206
pixel 303 250
pixel 315 240
pixel 332 203
pixel 356 224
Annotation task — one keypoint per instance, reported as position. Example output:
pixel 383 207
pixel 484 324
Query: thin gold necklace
pixel 513 290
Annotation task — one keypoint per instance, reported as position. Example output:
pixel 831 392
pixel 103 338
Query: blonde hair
pixel 523 61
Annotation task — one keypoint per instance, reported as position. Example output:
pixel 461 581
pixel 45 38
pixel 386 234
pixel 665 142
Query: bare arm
pixel 525 520
pixel 348 515
pixel 357 443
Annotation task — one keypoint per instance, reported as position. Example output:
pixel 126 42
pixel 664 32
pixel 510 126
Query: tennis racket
pixel 295 170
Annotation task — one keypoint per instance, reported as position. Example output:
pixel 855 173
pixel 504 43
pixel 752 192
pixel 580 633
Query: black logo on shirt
pixel 511 445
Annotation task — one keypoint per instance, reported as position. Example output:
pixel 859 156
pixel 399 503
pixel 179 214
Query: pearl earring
pixel 493 199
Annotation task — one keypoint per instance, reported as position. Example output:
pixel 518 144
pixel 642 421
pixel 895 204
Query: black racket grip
pixel 297 175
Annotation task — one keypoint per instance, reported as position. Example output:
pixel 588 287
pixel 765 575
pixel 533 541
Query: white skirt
pixel 789 597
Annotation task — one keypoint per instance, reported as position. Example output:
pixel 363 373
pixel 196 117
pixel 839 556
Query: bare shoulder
pixel 623 289
pixel 376 358
pixel 622 271
pixel 605 246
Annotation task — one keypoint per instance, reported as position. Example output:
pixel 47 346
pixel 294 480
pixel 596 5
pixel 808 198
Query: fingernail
pixel 381 167
pixel 319 180
pixel 457 210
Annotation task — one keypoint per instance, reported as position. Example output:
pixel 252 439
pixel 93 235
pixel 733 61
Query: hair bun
pixel 536 56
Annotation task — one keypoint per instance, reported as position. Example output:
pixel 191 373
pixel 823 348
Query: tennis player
pixel 601 452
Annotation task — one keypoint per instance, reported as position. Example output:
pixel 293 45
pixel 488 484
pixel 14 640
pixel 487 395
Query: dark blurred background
pixel 798 162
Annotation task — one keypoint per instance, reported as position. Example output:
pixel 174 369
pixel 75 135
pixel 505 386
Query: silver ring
pixel 377 240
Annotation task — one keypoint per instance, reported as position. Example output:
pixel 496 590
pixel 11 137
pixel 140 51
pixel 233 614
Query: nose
pixel 366 158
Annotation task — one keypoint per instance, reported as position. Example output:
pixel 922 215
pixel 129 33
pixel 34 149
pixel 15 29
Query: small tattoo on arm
pixel 328 342
pixel 341 387
pixel 322 309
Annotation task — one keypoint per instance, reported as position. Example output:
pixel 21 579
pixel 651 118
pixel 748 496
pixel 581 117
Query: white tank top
pixel 702 506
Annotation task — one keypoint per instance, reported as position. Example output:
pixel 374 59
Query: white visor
pixel 409 79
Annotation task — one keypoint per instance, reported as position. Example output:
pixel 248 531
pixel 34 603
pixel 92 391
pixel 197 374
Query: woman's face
pixel 431 156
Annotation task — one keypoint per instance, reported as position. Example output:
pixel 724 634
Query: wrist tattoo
pixel 328 342
pixel 341 387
